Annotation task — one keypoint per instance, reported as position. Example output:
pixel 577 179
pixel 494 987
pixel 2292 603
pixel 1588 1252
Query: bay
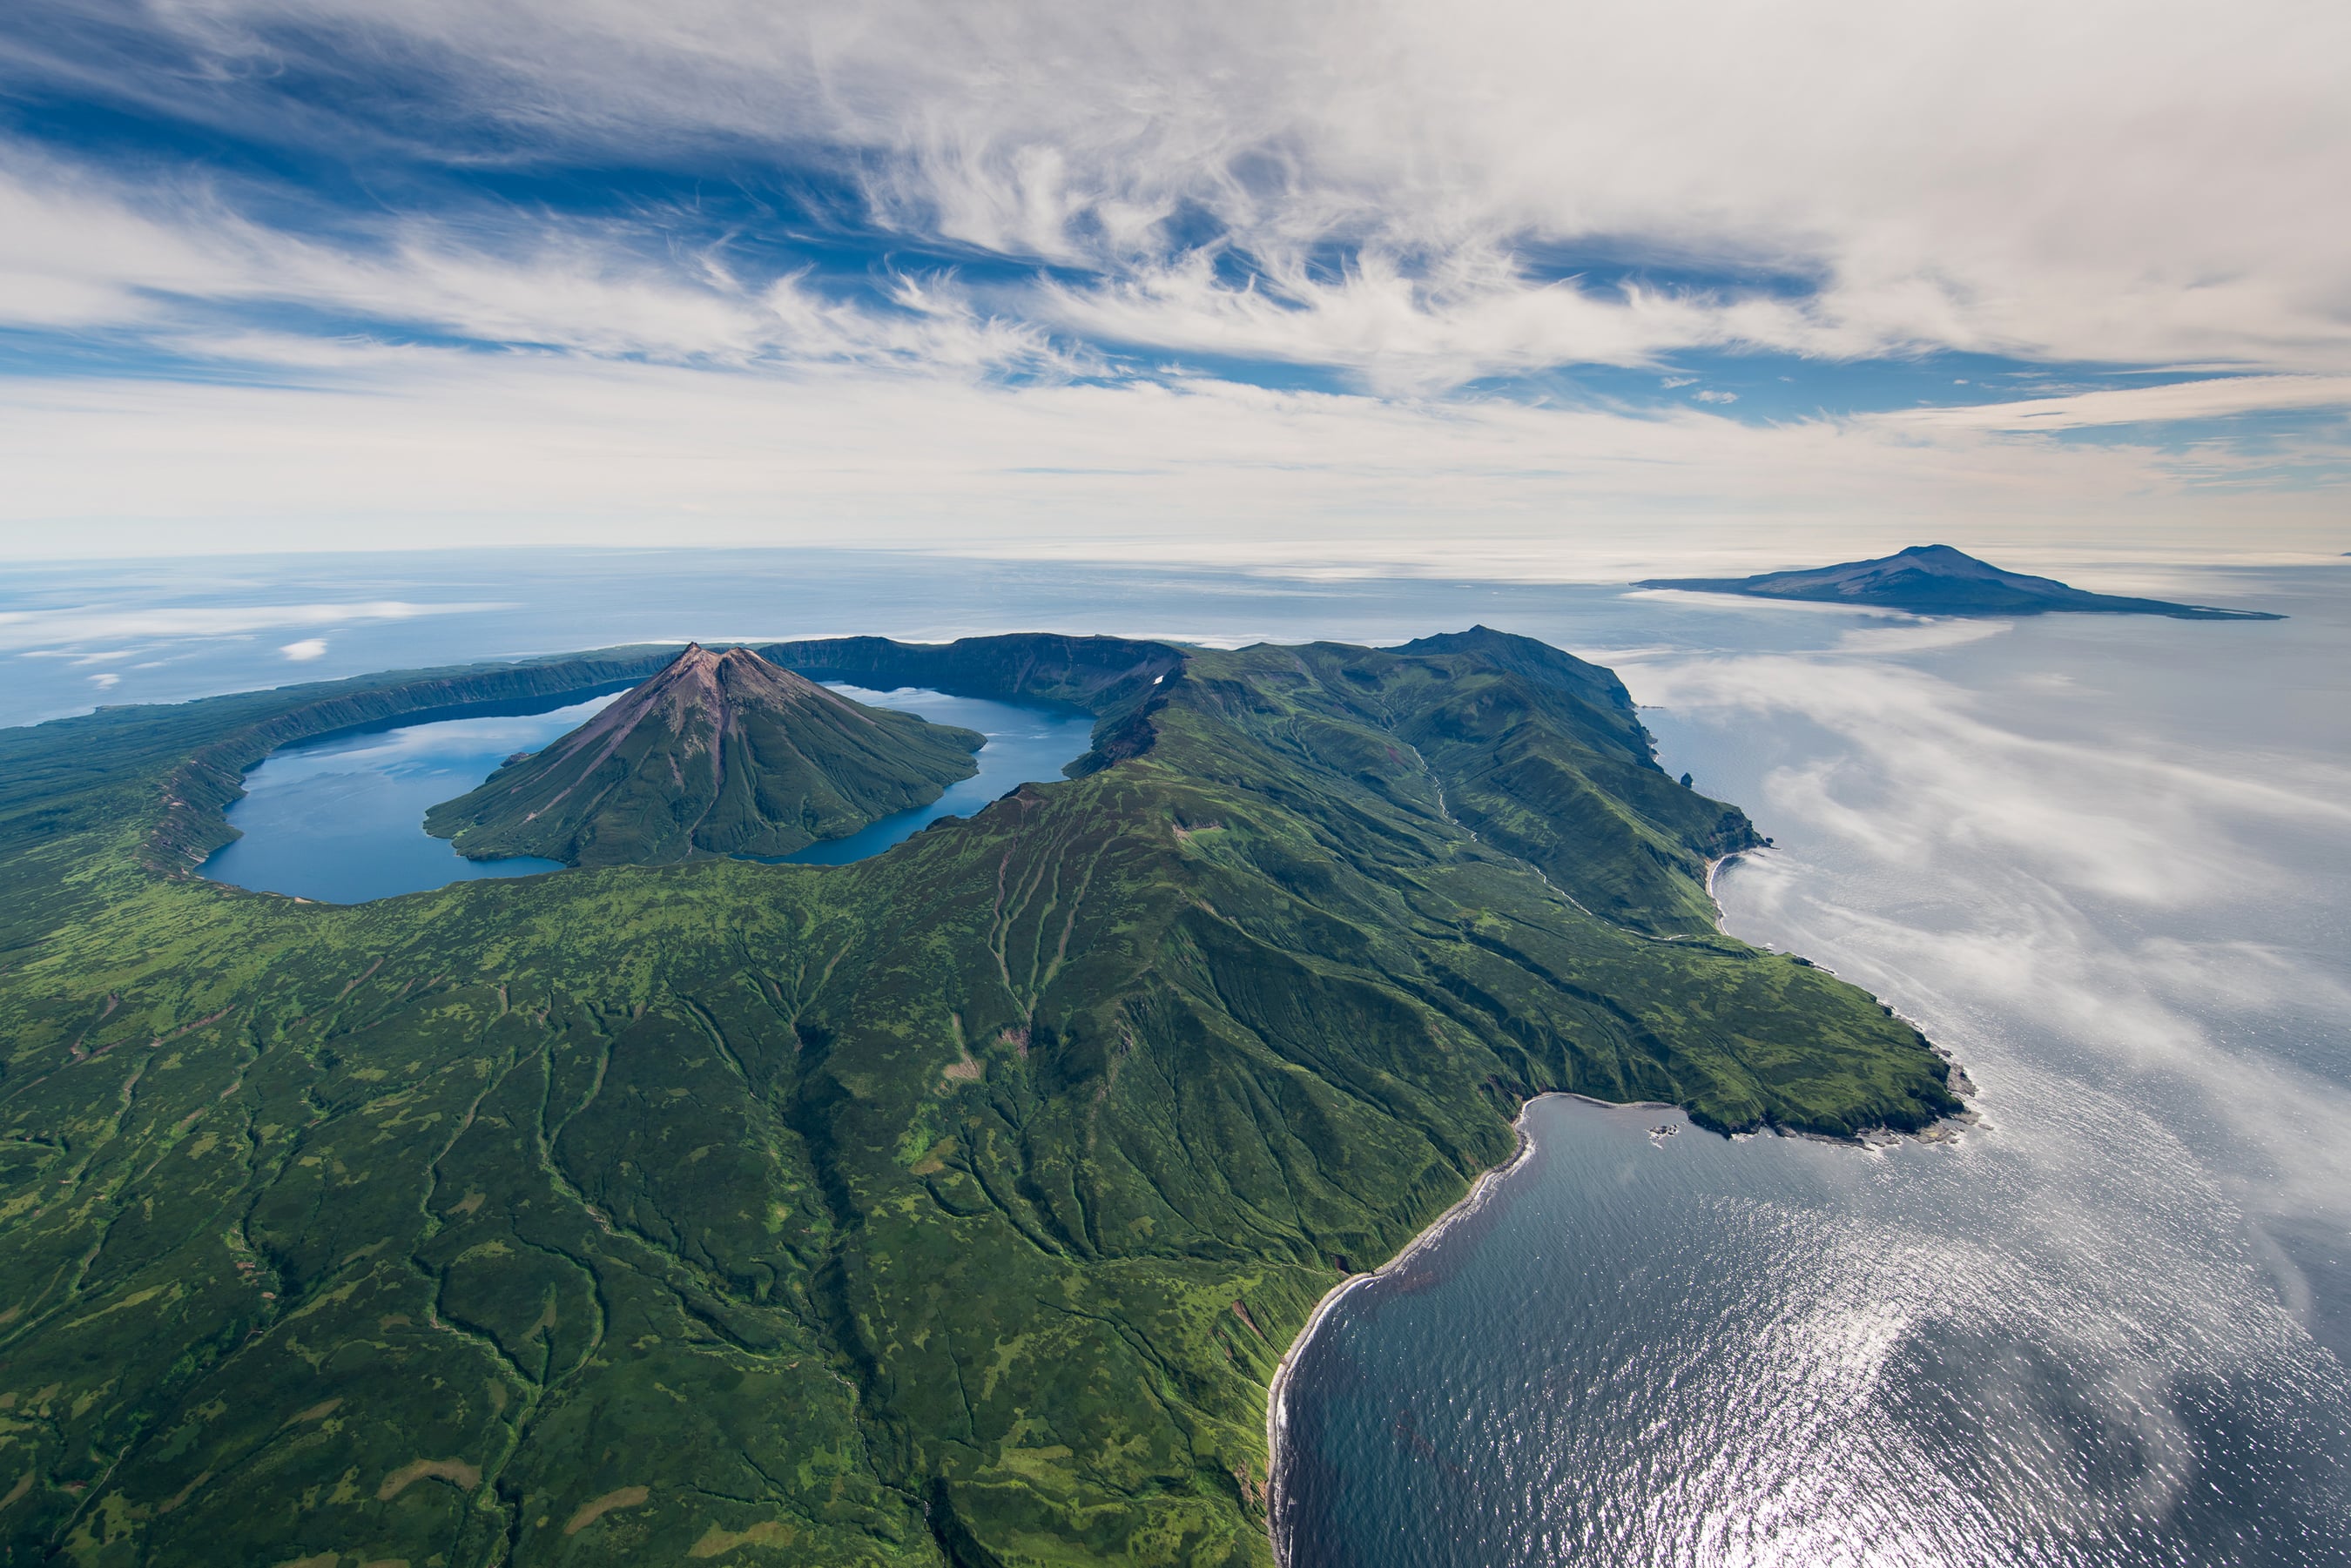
pixel 1026 745
pixel 2105 862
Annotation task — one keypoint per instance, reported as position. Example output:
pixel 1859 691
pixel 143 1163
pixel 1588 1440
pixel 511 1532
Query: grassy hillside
pixel 952 1206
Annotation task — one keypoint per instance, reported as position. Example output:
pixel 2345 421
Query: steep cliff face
pixel 717 754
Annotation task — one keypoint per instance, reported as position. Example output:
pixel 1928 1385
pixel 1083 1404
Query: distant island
pixel 1936 580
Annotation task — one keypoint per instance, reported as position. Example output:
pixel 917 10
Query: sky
pixel 1551 288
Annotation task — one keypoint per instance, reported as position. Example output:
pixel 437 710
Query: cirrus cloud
pixel 1422 211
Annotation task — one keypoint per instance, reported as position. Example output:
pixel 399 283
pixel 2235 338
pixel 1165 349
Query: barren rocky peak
pixel 695 696
pixel 717 681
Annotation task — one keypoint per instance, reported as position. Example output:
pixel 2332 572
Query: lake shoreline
pixel 374 846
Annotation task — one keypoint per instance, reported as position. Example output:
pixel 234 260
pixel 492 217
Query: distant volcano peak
pixel 1939 580
pixel 1947 561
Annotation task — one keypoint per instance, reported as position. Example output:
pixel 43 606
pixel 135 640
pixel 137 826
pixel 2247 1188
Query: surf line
pixel 1277 1416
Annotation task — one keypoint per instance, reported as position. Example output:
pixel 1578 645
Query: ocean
pixel 2105 862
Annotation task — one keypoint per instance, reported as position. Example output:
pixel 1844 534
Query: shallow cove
pixel 1637 1347
pixel 339 818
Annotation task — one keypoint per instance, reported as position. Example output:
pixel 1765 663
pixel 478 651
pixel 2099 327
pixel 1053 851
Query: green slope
pixel 952 1206
pixel 716 754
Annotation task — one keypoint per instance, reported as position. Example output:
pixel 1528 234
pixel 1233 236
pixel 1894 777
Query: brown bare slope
pixel 718 754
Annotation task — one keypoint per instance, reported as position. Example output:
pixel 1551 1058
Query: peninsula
pixel 951 1208
pixel 1936 580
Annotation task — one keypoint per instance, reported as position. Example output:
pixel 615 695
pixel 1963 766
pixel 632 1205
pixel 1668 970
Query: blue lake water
pixel 342 819
pixel 1025 746
pixel 2104 860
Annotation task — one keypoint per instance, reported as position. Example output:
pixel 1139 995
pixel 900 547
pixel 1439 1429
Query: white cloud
pixel 1919 637
pixel 2209 399
pixel 2082 816
pixel 1714 396
pixel 1380 191
pixel 31 630
pixel 2138 190
pixel 1475 315
pixel 2119 890
pixel 73 253
pixel 81 250
pixel 444 449
pixel 307 649
pixel 1745 605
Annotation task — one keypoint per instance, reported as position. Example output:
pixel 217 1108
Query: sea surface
pixel 2105 860
pixel 340 819
pixel 2108 863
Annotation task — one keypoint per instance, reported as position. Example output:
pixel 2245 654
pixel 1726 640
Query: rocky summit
pixel 718 754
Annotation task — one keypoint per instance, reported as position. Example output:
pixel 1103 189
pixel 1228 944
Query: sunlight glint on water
pixel 2109 881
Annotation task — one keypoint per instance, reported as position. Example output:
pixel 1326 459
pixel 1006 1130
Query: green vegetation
pixel 718 754
pixel 952 1206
